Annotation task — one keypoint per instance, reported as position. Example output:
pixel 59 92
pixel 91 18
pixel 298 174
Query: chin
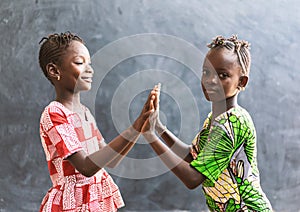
pixel 84 88
pixel 87 89
pixel 214 98
pixel 207 97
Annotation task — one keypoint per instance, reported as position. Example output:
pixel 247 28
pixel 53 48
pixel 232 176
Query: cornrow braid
pixel 240 47
pixel 53 47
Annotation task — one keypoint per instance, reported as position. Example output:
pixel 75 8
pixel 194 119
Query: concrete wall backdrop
pixel 272 96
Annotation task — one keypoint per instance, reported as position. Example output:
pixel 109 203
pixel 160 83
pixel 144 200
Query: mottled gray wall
pixel 272 96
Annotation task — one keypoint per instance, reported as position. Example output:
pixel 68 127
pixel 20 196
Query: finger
pixel 157 96
pixel 151 106
pixel 158 86
pixel 148 113
pixel 147 103
pixel 152 92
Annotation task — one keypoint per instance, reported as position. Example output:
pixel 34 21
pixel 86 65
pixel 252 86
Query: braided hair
pixel 240 47
pixel 53 48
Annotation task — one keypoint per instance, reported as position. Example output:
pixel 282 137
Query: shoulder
pixel 56 109
pixel 53 113
pixel 236 118
pixel 234 114
pixel 242 115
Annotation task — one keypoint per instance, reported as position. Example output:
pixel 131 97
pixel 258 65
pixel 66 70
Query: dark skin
pixel 71 76
pixel 221 82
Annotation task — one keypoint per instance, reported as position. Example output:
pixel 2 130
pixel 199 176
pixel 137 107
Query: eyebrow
pixel 216 69
pixel 81 56
pixel 222 69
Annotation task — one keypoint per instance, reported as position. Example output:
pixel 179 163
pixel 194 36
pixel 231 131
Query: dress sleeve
pixel 225 137
pixel 61 132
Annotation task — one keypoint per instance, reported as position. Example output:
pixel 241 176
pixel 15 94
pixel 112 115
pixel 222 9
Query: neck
pixel 68 99
pixel 222 106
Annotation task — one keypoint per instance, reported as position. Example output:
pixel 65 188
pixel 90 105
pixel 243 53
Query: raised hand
pixel 150 123
pixel 159 127
pixel 147 110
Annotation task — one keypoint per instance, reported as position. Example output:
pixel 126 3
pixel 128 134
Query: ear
pixel 53 71
pixel 243 81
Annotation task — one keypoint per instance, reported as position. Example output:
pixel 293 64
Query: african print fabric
pixel 63 133
pixel 225 152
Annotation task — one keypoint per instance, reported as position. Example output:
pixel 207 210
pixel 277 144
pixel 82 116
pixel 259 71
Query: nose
pixel 212 78
pixel 90 69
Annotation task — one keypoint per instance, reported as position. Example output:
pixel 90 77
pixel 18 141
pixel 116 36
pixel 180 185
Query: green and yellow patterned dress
pixel 225 152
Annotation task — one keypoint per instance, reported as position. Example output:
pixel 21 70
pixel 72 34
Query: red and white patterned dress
pixel 63 133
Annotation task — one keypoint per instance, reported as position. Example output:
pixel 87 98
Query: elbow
pixel 194 181
pixel 83 164
pixel 88 173
pixel 191 186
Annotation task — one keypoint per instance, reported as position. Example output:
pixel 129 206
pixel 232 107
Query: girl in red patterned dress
pixel 75 149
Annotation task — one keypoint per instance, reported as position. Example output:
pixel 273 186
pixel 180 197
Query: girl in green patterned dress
pixel 222 156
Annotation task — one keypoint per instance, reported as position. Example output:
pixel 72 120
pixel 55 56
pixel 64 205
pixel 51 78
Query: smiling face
pixel 221 77
pixel 75 68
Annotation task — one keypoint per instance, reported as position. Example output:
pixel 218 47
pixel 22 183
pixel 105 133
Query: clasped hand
pixel 148 122
pixel 153 122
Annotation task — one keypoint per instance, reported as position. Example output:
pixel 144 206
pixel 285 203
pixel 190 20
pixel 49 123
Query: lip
pixel 211 90
pixel 87 79
pixel 211 93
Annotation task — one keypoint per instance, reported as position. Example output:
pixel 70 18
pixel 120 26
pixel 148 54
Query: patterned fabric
pixel 225 152
pixel 63 133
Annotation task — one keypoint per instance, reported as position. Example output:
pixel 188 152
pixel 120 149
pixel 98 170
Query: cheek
pixel 203 81
pixel 230 88
pixel 76 72
pixel 76 75
pixel 204 91
pixel 235 84
pixel 202 85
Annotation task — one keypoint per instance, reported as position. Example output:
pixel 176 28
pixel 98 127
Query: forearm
pixel 115 162
pixel 176 145
pixel 181 168
pixel 114 151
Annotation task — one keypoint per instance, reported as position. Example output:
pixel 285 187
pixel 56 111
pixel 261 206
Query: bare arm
pixel 181 168
pixel 177 146
pixel 138 124
pixel 174 143
pixel 112 153
pixel 173 155
pixel 88 165
pixel 115 162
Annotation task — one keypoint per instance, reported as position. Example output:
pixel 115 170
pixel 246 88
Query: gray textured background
pixel 272 96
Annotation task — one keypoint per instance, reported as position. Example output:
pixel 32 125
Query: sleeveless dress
pixel 63 133
pixel 225 152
